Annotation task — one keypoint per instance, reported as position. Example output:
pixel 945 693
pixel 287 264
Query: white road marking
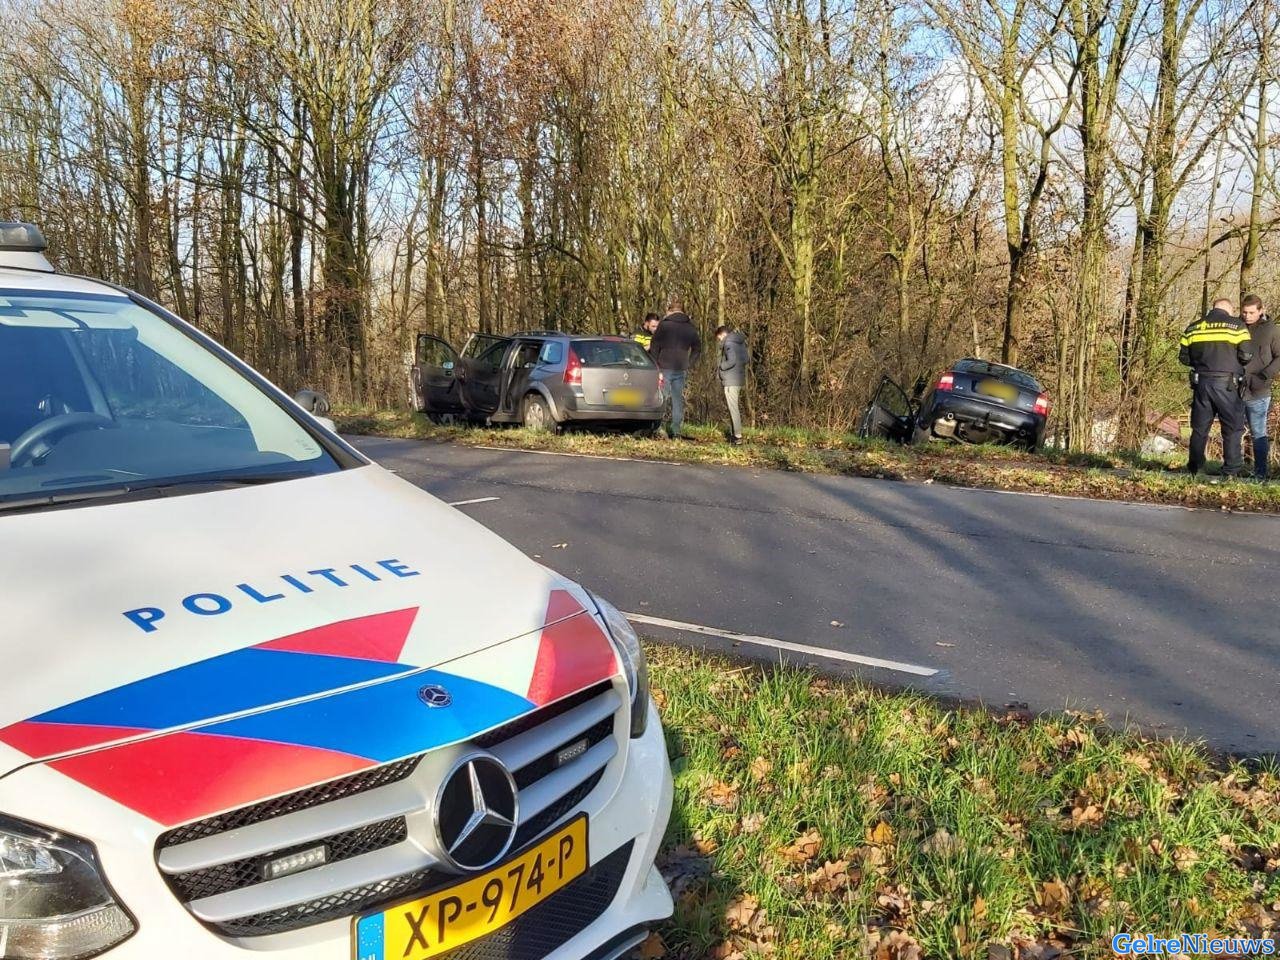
pixel 467 503
pixel 805 649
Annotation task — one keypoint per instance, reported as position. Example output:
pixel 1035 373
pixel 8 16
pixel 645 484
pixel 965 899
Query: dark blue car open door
pixel 890 415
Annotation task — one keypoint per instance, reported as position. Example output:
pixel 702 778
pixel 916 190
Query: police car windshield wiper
pixel 215 480
pixel 43 500
pixel 146 488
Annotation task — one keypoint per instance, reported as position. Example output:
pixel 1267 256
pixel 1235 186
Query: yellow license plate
pixel 1001 391
pixel 626 398
pixel 471 909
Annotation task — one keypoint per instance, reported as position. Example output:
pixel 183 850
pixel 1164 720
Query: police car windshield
pixel 99 393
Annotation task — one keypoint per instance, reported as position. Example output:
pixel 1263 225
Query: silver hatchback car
pixel 541 379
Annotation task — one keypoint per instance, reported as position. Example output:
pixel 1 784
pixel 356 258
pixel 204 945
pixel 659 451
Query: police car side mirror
pixel 315 402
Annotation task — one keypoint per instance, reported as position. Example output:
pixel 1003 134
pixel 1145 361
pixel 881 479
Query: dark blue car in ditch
pixel 974 401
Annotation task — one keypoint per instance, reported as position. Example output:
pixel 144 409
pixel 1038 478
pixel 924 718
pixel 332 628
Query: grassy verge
pixel 818 819
pixel 1103 477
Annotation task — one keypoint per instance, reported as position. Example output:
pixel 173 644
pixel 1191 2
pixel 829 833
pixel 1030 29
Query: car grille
pixel 367 822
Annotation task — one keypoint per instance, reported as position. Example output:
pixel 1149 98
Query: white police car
pixel 258 694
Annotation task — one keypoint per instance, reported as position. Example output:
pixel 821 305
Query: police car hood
pixel 270 636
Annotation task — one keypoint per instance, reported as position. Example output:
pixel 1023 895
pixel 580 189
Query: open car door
pixel 890 414
pixel 483 362
pixel 433 377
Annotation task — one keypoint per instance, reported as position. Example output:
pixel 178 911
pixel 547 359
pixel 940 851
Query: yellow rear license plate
pixel 1001 391
pixel 626 397
pixel 473 908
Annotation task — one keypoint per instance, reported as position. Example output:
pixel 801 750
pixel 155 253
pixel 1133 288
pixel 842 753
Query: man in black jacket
pixel 1258 373
pixel 675 348
pixel 1216 349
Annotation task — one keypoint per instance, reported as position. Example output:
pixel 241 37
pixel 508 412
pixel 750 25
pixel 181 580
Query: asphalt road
pixel 1159 616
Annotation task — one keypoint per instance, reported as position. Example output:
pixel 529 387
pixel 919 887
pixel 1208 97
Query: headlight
pixel 633 663
pixel 54 902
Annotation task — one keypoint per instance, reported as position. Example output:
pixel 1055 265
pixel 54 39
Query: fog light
pixel 570 753
pixel 295 862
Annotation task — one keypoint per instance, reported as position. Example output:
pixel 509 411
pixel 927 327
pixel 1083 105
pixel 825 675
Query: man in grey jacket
pixel 1258 374
pixel 734 359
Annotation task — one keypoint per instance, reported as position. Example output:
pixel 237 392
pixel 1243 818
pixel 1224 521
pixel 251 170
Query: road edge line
pixel 895 665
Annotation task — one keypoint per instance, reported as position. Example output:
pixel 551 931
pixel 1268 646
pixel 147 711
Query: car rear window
pixel 1000 372
pixel 611 353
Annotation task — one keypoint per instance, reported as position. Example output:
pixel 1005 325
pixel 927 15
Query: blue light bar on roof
pixel 24 237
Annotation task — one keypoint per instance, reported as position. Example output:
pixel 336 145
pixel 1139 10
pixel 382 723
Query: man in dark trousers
pixel 675 348
pixel 1259 372
pixel 1216 349
pixel 734 359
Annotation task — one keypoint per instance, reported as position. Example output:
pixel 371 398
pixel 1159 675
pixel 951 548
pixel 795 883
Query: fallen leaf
pixel 942 844
pixel 752 823
pixel 872 857
pixel 834 876
pixel 742 912
pixel 653 948
pixel 804 849
pixel 880 835
pixel 1086 816
pixel 1054 896
pixel 721 794
pixel 895 900
pixel 760 768
pixel 896 945
pixel 1184 858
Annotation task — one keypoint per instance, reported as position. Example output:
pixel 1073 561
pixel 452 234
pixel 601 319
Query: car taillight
pixel 573 369
pixel 1042 405
pixel 662 379
pixel 947 381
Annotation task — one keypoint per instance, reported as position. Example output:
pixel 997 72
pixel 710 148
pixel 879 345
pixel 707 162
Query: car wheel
pixel 537 415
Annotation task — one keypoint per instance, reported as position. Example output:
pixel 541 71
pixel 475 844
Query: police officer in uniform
pixel 644 336
pixel 1216 349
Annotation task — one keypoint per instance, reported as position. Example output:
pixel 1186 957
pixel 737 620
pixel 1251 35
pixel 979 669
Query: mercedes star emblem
pixel 434 695
pixel 476 813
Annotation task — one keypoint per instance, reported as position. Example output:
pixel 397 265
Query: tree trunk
pixel 1253 239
